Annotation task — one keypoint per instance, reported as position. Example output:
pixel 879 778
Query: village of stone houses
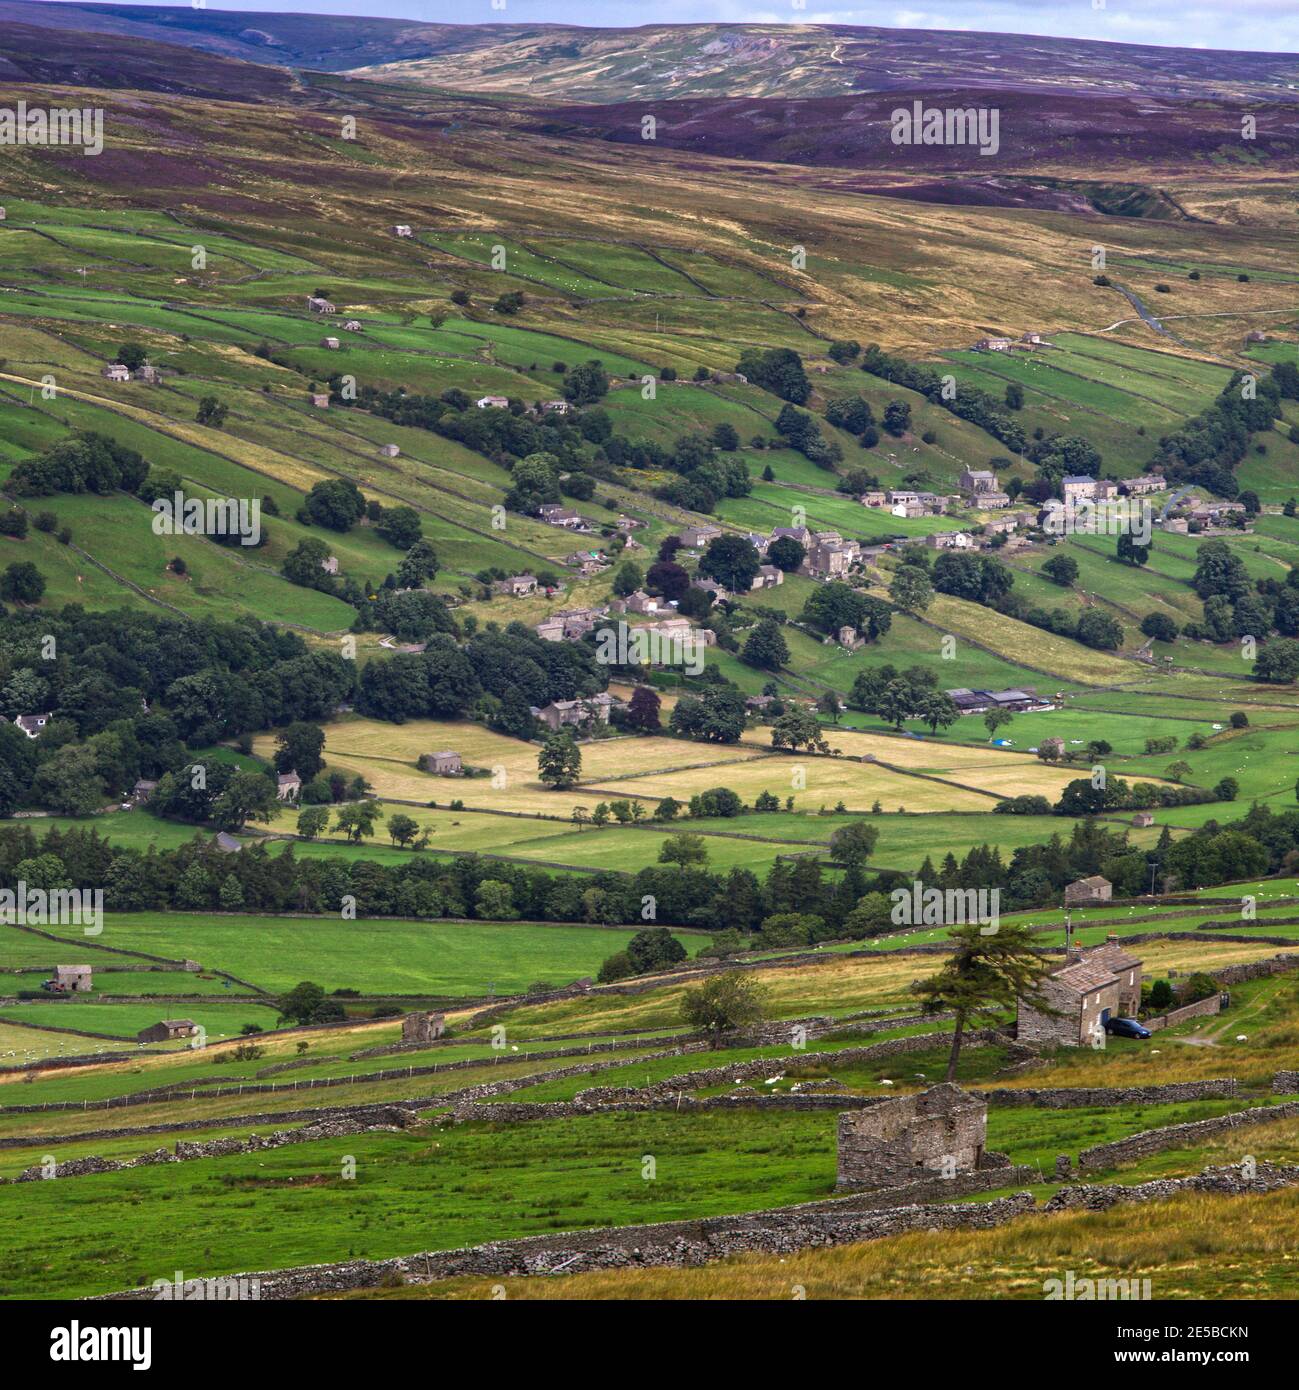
pixel 604 715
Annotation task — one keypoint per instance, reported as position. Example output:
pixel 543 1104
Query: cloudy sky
pixel 1271 25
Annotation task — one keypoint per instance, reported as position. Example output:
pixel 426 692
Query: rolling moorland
pixel 405 286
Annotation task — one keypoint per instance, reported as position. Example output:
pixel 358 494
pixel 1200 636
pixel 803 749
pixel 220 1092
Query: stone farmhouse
pixel 561 714
pixel 1076 487
pixel 950 540
pixel 1089 890
pixel 675 630
pixel 981 489
pixel 710 587
pixel 1087 988
pixel 517 585
pixel 1026 342
pixel 829 556
pixel 1213 513
pixel 939 1132
pixel 1138 487
pixel 975 480
pixel 117 371
pixel 693 537
pixel 287 786
pixel 640 602
pixel 493 403
pixel 167 1030
pixel 907 502
pixel 569 625
pixel 32 724
pixel 447 763
pixel 587 562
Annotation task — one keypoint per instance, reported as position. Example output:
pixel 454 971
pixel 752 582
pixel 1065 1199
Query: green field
pixel 379 956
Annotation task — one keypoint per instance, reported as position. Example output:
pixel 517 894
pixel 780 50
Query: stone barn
pixel 166 1030
pixel 1088 890
pixel 447 763
pixel 70 979
pixel 941 1131
pixel 422 1027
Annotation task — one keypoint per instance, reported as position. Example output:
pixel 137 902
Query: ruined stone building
pixel 422 1027
pixel 939 1132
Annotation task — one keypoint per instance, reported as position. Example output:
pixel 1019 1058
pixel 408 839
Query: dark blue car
pixel 1126 1028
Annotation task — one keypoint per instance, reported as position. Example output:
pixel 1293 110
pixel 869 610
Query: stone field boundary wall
pixel 690 1243
pixel 1202 1008
pixel 769 1066
pixel 165 1094
pixel 1087 1097
pixel 317 1115
pixel 391 1118
pixel 1153 1141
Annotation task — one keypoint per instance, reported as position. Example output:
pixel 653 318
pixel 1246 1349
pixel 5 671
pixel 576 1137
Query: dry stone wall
pixel 390 1118
pixel 1086 1097
pixel 782 1231
pixel 766 1068
pixel 1152 1141
pixel 1202 1008
pixel 674 1243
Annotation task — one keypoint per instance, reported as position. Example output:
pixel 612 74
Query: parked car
pixel 1126 1028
